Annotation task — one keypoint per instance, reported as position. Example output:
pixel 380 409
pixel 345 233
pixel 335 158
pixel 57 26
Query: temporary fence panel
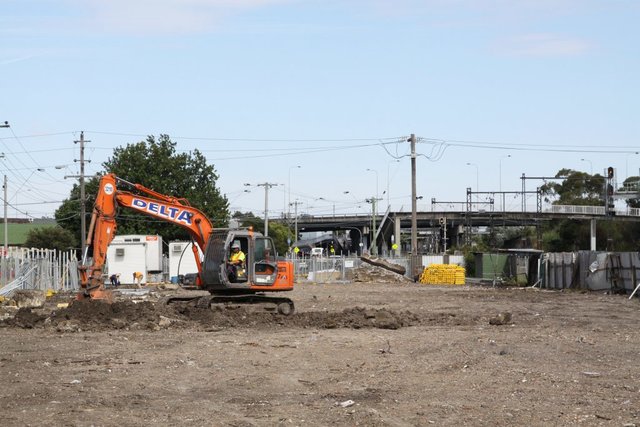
pixel 44 269
pixel 335 269
pixel 597 271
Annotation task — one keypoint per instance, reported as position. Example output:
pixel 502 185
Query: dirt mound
pixel 153 316
pixel 88 315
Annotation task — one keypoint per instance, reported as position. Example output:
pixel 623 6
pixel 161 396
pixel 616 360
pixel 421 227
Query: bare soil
pixel 369 354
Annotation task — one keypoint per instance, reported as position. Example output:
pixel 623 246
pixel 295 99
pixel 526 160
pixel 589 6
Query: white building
pixel 130 253
pixel 181 259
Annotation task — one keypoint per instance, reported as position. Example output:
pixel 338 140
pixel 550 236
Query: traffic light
pixel 610 172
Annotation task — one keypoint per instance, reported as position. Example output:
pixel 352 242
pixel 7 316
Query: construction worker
pixel 137 279
pixel 115 279
pixel 236 261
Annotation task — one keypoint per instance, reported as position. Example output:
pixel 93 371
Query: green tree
pixel 632 184
pixel 582 189
pixel 51 238
pixel 156 165
pixel 574 188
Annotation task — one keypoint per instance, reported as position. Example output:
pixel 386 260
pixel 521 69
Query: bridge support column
pixel 593 234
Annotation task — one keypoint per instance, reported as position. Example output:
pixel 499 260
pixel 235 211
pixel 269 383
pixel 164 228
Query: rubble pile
pixel 373 274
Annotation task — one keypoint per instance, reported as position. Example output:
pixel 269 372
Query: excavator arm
pixel 103 226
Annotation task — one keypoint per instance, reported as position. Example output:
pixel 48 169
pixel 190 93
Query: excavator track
pixel 284 306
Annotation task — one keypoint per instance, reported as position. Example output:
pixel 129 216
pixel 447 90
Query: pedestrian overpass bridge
pixel 457 224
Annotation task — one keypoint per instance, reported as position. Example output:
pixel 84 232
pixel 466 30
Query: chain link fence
pixel 338 269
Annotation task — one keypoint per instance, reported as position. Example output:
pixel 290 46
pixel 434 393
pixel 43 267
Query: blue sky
pixel 335 87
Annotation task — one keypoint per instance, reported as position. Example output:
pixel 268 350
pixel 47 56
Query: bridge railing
pixel 590 210
pixel 547 208
pixel 577 210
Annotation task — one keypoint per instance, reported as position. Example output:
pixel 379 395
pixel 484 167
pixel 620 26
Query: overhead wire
pixel 394 147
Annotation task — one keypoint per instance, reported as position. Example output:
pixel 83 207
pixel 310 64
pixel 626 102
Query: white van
pixel 317 251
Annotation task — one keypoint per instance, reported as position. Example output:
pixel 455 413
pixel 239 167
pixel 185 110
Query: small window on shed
pixel 119 251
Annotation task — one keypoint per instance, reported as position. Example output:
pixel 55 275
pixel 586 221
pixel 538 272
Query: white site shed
pixel 130 253
pixel 181 259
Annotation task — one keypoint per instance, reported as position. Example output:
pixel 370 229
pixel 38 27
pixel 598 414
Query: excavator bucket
pixel 99 293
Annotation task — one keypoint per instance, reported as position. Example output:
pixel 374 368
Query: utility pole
pixel 83 227
pixel 414 200
pixel 414 208
pixel 5 255
pixel 373 243
pixel 267 186
pixel 6 220
pixel 295 220
pixel 6 235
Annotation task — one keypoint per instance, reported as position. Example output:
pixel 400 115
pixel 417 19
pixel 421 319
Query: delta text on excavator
pixel 260 274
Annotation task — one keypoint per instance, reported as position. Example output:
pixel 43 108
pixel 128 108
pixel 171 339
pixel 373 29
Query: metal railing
pixel 590 210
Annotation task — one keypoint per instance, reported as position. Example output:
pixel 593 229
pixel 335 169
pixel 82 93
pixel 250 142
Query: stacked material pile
pixel 443 274
pixel 372 274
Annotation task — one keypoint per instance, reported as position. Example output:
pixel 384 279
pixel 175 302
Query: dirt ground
pixel 368 354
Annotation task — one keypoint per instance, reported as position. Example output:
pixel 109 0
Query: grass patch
pixel 18 232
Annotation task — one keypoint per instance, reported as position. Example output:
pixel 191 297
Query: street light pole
pixel 267 186
pixel 389 164
pixel 477 181
pixel 590 165
pixel 289 189
pixel 500 179
pixel 626 165
pixel 373 207
pixel 376 172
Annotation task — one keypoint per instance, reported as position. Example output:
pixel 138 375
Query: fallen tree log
pixel 379 262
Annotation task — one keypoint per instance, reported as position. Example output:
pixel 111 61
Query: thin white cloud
pixel 544 45
pixel 164 16
pixel 14 60
pixel 482 8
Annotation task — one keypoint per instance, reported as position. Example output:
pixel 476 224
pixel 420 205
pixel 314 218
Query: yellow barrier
pixel 443 274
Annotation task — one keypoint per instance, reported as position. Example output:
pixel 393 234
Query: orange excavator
pixel 252 282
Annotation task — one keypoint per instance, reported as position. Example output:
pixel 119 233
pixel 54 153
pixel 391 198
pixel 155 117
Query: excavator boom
pixel 103 226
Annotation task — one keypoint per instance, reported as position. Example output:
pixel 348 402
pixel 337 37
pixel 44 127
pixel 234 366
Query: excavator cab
pixel 265 266
pixel 260 268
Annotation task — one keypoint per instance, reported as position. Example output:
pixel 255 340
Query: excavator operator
pixel 236 262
